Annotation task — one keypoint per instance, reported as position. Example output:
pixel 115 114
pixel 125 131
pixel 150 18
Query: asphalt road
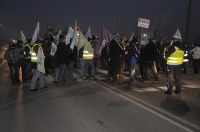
pixel 98 106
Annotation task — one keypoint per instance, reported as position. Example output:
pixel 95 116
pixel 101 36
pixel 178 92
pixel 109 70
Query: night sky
pixel 165 16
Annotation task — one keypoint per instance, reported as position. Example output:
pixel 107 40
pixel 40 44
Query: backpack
pixel 10 56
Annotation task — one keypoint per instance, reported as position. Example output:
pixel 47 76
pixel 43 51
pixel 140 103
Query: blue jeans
pixel 55 74
pixel 35 76
pixel 62 76
pixel 91 64
pixel 71 70
pixel 132 72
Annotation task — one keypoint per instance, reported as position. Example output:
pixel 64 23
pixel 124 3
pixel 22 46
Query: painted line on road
pixel 191 86
pixel 150 108
pixel 148 89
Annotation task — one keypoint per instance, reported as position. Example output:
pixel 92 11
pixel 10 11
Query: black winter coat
pixel 151 52
pixel 62 53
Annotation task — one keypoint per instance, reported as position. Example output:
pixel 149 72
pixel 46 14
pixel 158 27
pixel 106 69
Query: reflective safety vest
pixel 33 54
pixel 87 55
pixel 176 58
pixel 27 53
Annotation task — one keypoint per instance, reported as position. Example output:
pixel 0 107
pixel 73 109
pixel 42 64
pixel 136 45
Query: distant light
pixel 145 35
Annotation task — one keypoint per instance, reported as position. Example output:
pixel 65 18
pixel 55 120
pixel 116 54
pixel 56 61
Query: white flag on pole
pixel 81 41
pixel 53 49
pixel 36 34
pixel 69 35
pixel 131 38
pixel 56 40
pixel 23 38
pixel 89 33
pixel 75 37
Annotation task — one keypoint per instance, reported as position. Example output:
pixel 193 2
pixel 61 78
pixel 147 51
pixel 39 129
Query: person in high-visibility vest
pixel 174 56
pixel 27 61
pixel 88 57
pixel 37 59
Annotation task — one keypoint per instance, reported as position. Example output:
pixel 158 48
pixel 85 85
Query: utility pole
pixel 188 20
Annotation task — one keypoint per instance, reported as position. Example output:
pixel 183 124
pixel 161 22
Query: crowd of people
pixel 142 61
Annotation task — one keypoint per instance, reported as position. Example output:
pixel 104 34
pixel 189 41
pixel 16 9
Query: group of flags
pixel 76 37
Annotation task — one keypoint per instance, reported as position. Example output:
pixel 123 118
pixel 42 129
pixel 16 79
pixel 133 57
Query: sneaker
pixel 58 84
pixel 177 92
pixel 44 87
pixel 146 81
pixel 34 89
pixel 157 80
pixel 168 92
pixel 131 83
pixel 84 78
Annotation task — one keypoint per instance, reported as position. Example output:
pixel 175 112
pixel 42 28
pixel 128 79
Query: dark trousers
pixel 174 72
pixel 150 66
pixel 196 65
pixel 13 73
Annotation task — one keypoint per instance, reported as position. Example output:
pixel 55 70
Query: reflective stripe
pixel 176 58
pixel 33 54
pixel 87 55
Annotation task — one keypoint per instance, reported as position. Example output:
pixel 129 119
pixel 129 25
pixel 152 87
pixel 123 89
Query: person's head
pixel 19 43
pixel 61 37
pixel 135 40
pixel 40 40
pixel 153 39
pixel 91 38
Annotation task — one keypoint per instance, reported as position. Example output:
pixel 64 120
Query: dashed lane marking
pixel 191 86
pixel 148 89
pixel 165 87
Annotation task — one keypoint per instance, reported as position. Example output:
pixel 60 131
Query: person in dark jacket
pixel 132 53
pixel 63 61
pixel 150 57
pixel 72 59
pixel 21 64
pixel 175 56
pixel 12 59
pixel 115 53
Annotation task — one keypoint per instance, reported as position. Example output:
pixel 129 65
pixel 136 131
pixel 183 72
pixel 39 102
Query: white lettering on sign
pixel 143 23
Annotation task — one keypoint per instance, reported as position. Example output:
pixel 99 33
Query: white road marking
pixel 191 86
pixel 148 89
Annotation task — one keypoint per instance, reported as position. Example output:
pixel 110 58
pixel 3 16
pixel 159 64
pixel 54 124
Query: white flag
pixel 81 41
pixel 69 35
pixel 36 34
pixel 53 49
pixel 56 40
pixel 40 63
pixel 23 38
pixel 90 49
pixel 131 38
pixel 75 37
pixel 89 33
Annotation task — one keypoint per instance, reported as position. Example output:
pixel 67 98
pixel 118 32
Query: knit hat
pixel 177 35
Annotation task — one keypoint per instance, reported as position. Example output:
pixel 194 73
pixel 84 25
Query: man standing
pixel 174 55
pixel 132 53
pixel 150 57
pixel 63 61
pixel 196 58
pixel 37 59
